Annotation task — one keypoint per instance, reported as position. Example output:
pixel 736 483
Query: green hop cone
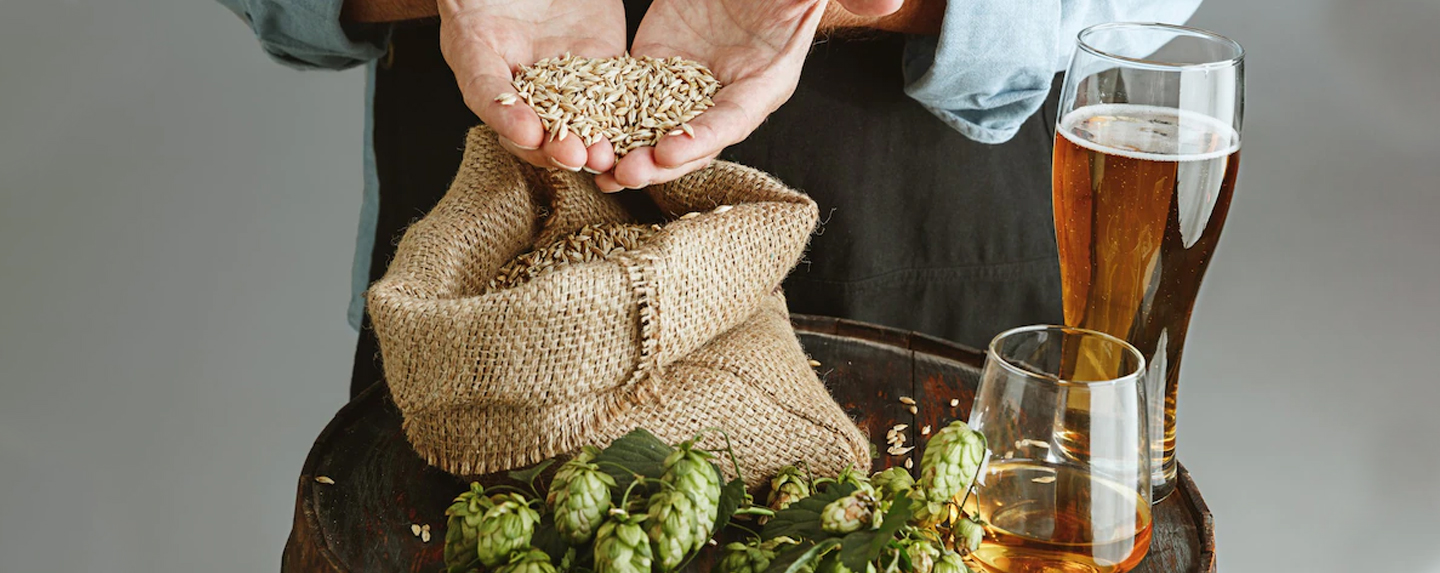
pixel 892 483
pixel 505 529
pixel 857 479
pixel 621 545
pixel 951 459
pixel 689 470
pixel 580 505
pixel 787 487
pixel 969 532
pixel 927 513
pixel 672 525
pixel 750 557
pixel 463 527
pixel 532 561
pixel 567 472
pixel 922 555
pixel 851 513
pixel 950 562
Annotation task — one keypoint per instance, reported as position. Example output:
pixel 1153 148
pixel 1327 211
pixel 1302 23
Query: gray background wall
pixel 176 222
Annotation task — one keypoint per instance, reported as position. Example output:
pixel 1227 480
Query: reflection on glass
pixel 1066 486
pixel 1146 154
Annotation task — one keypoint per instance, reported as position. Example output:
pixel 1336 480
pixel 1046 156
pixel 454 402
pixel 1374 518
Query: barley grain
pixel 628 101
pixel 590 243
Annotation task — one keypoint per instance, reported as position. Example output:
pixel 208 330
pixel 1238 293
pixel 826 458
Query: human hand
pixel 756 48
pixel 485 41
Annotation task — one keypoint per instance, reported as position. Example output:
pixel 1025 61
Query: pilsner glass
pixel 1066 486
pixel 1146 150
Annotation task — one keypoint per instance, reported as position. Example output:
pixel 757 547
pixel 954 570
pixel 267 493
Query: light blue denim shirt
pixel 987 72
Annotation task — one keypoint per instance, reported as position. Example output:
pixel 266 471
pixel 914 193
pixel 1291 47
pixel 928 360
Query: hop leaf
pixel 851 513
pixel 621 546
pixel 787 487
pixel 463 527
pixel 672 523
pixel 532 561
pixel 690 471
pixel 580 501
pixel 831 563
pixel 505 528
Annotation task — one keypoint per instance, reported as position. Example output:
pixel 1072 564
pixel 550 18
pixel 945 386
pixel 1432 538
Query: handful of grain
pixel 631 102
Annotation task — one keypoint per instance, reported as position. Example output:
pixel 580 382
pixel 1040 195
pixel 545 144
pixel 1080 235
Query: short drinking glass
pixel 1066 486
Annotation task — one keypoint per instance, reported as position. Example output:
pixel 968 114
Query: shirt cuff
pixel 308 34
pixel 990 68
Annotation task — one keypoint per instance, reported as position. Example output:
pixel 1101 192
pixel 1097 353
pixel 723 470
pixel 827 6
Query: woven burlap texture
pixel 687 332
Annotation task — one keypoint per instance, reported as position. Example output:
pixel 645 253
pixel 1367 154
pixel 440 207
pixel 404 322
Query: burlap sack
pixel 687 332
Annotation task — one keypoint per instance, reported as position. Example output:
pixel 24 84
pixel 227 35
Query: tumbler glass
pixel 1066 485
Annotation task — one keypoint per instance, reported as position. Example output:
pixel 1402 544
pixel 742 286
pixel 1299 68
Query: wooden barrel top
pixel 363 521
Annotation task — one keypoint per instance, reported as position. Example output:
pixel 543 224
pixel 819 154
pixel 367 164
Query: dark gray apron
pixel 923 229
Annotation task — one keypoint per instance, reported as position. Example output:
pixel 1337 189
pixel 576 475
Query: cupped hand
pixel 756 48
pixel 485 41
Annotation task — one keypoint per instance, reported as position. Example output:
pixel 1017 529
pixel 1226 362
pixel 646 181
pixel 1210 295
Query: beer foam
pixel 1140 131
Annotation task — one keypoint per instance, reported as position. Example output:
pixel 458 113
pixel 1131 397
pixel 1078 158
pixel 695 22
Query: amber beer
pixel 1096 526
pixel 1141 195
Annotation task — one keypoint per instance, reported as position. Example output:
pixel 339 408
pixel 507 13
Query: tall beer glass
pixel 1147 147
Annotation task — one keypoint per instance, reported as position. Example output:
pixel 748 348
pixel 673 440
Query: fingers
pixel 600 157
pixel 739 109
pixel 871 7
pixel 500 107
pixel 483 76
pixel 638 170
pixel 744 102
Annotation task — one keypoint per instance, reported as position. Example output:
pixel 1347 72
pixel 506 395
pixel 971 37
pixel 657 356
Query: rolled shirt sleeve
pixel 309 34
pixel 992 64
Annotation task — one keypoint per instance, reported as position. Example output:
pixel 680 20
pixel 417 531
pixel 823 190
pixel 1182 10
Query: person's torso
pixel 923 228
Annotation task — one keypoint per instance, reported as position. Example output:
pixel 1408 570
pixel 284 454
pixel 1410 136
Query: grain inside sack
pixel 529 315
